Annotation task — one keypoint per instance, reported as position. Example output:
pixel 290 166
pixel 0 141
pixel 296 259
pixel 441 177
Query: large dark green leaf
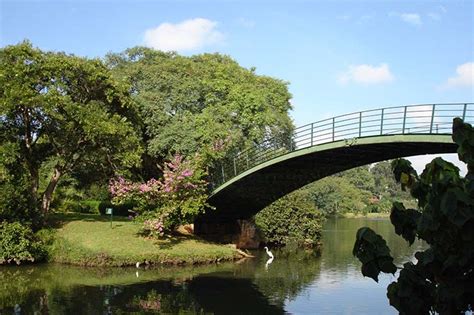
pixel 405 221
pixel 411 294
pixel 463 135
pixel 372 250
pixel 404 173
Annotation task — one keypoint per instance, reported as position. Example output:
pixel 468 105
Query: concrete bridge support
pixel 240 232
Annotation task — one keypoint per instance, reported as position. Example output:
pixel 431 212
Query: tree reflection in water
pixel 329 282
pixel 248 287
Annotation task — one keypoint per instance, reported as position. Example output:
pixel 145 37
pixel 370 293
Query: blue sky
pixel 339 56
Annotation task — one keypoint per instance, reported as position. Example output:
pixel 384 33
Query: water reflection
pixel 251 286
pixel 294 281
pixel 221 294
pixel 269 261
pixel 339 287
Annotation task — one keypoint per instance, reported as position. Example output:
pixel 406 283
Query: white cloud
pixel 411 18
pixel 367 74
pixel 464 76
pixel 188 35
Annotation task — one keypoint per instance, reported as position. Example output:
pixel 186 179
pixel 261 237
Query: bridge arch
pixel 257 177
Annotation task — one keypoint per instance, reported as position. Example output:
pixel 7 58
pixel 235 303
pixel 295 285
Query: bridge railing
pixel 410 119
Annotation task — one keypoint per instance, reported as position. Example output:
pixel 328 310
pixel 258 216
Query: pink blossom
pixel 144 188
pixel 187 172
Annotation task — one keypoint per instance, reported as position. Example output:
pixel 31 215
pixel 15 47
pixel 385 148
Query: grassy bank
pixel 85 239
pixel 362 215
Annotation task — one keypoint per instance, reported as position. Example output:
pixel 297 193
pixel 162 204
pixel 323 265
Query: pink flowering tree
pixel 163 204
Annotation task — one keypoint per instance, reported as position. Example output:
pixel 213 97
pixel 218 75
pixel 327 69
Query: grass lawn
pixel 88 239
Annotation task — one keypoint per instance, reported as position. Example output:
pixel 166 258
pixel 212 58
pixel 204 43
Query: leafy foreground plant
pixel 442 279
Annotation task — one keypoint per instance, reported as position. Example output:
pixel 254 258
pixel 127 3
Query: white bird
pixel 269 253
pixel 269 261
pixel 137 264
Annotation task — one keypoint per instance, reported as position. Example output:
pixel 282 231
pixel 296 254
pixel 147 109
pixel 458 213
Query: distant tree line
pixel 361 190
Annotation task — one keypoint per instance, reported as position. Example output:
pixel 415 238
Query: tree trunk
pixel 48 193
pixel 30 161
pixel 34 180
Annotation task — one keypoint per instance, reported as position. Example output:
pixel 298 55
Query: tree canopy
pixel 205 103
pixel 60 113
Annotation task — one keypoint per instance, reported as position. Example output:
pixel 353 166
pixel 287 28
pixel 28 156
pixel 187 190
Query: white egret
pixel 269 253
pixel 269 261
pixel 137 264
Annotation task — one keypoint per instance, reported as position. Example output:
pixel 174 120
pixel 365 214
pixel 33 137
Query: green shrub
pixel 97 192
pixel 382 206
pixel 16 202
pixel 46 236
pixel 86 206
pixel 90 206
pixel 16 205
pixel 123 210
pixel 18 244
pixel 79 206
pixel 291 219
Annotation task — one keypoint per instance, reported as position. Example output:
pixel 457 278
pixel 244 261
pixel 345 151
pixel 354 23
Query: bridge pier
pixel 240 232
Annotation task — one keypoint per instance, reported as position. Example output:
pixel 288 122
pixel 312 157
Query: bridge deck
pixel 258 176
pixel 251 191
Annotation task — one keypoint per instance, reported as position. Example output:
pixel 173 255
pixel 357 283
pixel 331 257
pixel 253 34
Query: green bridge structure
pixel 254 178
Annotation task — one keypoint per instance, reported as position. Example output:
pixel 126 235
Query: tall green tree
pixel 65 111
pixel 360 177
pixel 336 195
pixel 385 184
pixel 205 103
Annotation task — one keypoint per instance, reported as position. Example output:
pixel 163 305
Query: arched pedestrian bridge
pixel 256 177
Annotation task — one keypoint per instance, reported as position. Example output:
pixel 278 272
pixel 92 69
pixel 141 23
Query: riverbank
pixel 90 240
pixel 352 215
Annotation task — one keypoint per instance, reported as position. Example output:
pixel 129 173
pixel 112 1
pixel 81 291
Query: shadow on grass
pixel 172 241
pixel 57 220
pixel 168 242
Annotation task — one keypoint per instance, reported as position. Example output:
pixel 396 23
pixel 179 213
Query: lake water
pixel 296 282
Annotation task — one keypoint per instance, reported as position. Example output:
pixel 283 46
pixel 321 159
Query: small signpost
pixel 111 212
